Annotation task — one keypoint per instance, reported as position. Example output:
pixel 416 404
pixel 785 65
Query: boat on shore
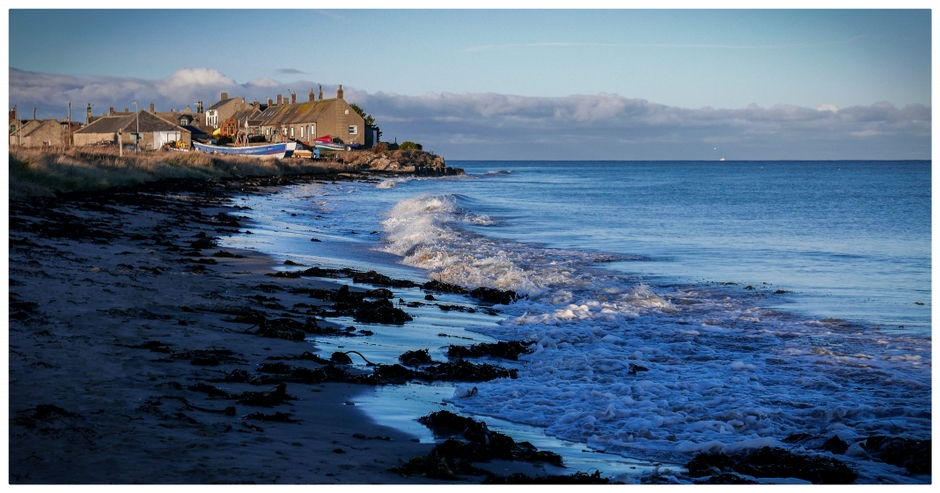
pixel 278 150
pixel 326 143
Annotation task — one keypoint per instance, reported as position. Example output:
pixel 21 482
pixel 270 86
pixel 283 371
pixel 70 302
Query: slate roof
pixel 220 104
pixel 309 111
pixel 128 123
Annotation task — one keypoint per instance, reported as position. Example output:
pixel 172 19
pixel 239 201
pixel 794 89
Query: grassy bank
pixel 35 172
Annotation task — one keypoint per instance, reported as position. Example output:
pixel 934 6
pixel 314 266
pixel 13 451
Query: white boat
pixel 278 150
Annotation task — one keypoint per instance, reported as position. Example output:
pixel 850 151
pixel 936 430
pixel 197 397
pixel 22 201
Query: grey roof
pixel 297 113
pixel 147 122
pixel 220 104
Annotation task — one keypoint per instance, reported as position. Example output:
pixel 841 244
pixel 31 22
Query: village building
pixel 40 133
pixel 314 118
pixel 224 109
pixel 154 131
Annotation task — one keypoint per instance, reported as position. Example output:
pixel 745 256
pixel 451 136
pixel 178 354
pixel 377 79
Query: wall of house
pixel 40 134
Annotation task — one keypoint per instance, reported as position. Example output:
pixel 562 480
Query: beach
pixel 124 339
pixel 235 330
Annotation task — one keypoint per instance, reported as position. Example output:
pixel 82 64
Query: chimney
pixel 270 102
pixel 88 114
pixel 111 109
pixel 34 112
pixel 256 105
pixel 224 96
pixel 293 97
pixel 339 92
pixel 151 108
pixel 199 107
pixel 13 113
pixel 311 95
pixel 187 110
pixel 127 110
pixel 321 92
pixel 278 99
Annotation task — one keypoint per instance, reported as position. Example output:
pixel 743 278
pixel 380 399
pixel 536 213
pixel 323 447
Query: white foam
pixel 661 373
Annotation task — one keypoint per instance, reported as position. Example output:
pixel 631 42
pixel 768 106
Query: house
pixel 223 110
pixel 314 118
pixel 155 131
pixel 187 120
pixel 40 133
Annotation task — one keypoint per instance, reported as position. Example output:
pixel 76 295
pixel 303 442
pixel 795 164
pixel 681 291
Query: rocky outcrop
pixel 408 161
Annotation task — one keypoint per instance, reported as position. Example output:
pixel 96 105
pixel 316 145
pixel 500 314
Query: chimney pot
pixel 151 108
pixel 278 99
pixel 112 110
pixel 270 102
pixel 199 107
pixel 293 97
pixel 224 96
pixel 311 95
pixel 339 92
pixel 321 92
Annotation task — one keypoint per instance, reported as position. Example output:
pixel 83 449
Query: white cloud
pixel 519 127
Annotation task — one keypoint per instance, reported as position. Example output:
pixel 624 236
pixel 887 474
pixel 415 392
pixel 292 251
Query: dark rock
pixel 770 462
pixel 913 455
pixel 835 445
pixel 508 350
pixel 576 478
pixel 415 358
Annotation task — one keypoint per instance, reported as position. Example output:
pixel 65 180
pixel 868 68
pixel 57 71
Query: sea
pixel 674 307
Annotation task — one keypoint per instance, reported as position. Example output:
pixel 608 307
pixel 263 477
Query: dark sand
pixel 115 319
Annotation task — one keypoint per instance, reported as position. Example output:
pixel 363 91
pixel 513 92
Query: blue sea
pixel 675 307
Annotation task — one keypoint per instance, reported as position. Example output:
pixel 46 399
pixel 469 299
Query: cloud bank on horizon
pixel 489 126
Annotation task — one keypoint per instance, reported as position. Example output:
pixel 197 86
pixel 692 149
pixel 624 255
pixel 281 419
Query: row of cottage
pixel 277 121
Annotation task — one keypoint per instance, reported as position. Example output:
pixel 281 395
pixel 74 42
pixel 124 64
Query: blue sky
pixel 629 84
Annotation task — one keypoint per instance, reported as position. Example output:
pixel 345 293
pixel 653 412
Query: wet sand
pixel 123 343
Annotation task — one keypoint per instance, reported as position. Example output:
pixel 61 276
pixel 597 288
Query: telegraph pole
pixel 137 138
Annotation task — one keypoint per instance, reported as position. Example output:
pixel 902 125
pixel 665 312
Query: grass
pixel 37 172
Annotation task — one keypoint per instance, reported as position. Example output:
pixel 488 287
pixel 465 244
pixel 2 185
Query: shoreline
pixel 94 397
pixel 125 334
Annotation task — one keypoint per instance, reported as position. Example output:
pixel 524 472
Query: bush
pixel 408 145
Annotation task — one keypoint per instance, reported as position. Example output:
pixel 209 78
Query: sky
pixel 615 84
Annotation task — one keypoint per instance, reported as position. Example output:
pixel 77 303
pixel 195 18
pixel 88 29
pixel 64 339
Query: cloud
pixel 289 71
pixel 503 126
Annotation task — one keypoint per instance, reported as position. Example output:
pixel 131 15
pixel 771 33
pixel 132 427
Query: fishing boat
pixel 279 150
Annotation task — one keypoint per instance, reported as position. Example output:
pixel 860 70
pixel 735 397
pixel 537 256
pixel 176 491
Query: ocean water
pixel 674 307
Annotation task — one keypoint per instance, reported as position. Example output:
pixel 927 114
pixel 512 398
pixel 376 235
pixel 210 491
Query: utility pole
pixel 137 139
pixel 68 132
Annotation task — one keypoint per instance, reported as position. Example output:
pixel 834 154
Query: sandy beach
pixel 131 361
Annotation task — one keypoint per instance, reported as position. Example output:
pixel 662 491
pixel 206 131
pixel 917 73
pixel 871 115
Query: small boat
pixel 326 143
pixel 279 150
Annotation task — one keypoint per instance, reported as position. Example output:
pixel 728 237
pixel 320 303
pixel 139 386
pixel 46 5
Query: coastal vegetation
pixel 37 172
pixel 44 172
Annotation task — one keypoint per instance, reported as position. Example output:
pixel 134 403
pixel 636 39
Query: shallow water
pixel 675 307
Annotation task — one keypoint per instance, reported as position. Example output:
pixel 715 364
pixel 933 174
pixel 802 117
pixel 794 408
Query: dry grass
pixel 35 172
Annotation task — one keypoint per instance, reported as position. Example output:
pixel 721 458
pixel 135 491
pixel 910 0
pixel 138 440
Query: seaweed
pixel 772 462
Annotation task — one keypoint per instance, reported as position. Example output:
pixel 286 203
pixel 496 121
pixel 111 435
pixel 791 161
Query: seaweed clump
pixel 771 462
pixel 470 441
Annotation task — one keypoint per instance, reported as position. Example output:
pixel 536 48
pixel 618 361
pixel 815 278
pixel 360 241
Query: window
pixel 313 130
pixel 212 118
pixel 302 132
pixel 353 129
pixel 292 132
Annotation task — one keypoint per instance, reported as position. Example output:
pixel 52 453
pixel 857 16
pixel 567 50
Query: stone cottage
pixel 155 131
pixel 313 118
